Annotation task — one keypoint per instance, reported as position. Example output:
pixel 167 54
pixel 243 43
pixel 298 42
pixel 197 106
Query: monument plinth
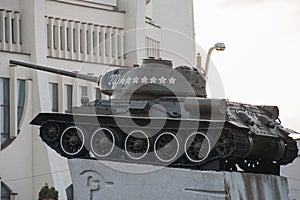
pixel 93 180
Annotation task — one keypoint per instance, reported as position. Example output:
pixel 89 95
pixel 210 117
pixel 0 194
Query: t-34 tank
pixel 159 115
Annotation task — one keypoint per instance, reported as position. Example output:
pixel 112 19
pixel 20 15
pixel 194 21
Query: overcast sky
pixel 261 63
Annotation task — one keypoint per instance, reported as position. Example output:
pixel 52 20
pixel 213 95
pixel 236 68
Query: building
pixel 88 36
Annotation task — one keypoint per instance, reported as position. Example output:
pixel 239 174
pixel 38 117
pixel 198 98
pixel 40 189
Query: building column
pixel 13 102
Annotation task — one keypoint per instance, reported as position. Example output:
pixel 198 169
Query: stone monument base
pixel 94 180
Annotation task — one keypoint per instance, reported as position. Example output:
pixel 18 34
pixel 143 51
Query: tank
pixel 160 115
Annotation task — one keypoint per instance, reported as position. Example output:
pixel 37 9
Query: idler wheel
pixel 197 147
pixel 102 142
pixel 137 145
pixel 72 140
pixel 50 132
pixel 166 147
pixel 226 144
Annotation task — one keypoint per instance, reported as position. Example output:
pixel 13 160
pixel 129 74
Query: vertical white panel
pixel 90 42
pixel 2 29
pixel 17 32
pixel 64 38
pixel 9 30
pixel 103 44
pixel 77 40
pixel 122 47
pixel 96 44
pixel 58 37
pixel 51 36
pixel 147 47
pixel 115 47
pixel 13 102
pixel 110 38
pixel 83 40
pixel 71 39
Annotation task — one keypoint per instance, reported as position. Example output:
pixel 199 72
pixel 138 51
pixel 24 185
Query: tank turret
pixel 159 115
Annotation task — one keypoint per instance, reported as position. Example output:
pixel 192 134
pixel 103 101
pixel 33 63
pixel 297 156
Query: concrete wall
pixel 291 171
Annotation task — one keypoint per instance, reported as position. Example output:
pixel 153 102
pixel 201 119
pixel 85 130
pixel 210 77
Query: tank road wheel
pixel 137 145
pixel 197 147
pixel 226 144
pixel 50 132
pixel 166 147
pixel 102 142
pixel 72 141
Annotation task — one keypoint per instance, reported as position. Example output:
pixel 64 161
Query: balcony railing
pixel 10 31
pixel 81 41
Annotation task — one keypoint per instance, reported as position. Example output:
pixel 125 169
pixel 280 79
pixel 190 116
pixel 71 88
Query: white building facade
pixel 88 36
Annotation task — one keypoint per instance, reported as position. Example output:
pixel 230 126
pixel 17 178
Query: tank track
pixel 291 151
pixel 232 144
pixel 233 148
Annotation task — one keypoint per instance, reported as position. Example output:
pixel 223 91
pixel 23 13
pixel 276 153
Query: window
pixel 53 90
pixel 83 91
pixel 70 192
pixel 21 98
pixel 106 45
pixel 113 36
pixel 88 41
pixel 68 39
pixel 68 98
pixel 5 192
pixel 81 41
pixel 4 111
pixel 54 36
pixel 98 93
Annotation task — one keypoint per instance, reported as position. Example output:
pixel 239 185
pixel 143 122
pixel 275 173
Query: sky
pixel 261 62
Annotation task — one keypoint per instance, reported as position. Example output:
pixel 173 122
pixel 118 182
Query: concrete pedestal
pixel 94 180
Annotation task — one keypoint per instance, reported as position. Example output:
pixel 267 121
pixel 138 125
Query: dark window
pixel 20 31
pixel 5 192
pixel 106 45
pixel 113 45
pixel 6 29
pixel 68 39
pixel 69 98
pixel 81 41
pixel 13 31
pixel 4 110
pixel 94 42
pixel 62 39
pixel 53 88
pixel 54 36
pixel 21 99
pixel 70 192
pixel 100 44
pixel 88 41
pixel 48 36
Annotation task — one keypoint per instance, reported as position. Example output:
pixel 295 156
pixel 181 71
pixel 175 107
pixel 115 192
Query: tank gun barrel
pixel 56 71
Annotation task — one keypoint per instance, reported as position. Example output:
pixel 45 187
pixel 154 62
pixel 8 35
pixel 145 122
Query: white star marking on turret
pixel 162 80
pixel 153 79
pixel 172 80
pixel 135 80
pixel 144 79
pixel 128 80
pixel 122 81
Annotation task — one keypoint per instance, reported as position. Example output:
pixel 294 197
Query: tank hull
pixel 220 143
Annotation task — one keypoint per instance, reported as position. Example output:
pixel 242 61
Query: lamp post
pixel 218 47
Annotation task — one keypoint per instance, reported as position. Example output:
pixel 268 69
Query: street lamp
pixel 218 47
